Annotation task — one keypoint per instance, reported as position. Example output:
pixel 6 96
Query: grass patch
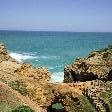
pixel 83 106
pixel 107 97
pixel 87 106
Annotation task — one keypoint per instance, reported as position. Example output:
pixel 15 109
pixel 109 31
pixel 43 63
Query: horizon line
pixel 58 31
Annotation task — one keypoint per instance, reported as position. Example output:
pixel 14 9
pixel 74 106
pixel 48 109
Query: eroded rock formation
pixel 98 65
pixel 24 78
pixel 4 56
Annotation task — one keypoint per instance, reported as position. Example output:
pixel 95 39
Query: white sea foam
pixel 58 66
pixel 24 56
pixel 49 57
pixel 57 77
pixel 21 56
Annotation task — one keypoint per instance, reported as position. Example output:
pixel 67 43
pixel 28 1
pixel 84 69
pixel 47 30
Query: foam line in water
pixel 49 57
pixel 57 66
pixel 24 56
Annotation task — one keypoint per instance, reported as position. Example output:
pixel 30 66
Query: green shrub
pixel 19 86
pixel 23 109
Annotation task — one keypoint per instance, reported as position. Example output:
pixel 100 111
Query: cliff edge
pixel 98 65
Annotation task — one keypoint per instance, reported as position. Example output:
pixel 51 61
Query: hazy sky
pixel 56 15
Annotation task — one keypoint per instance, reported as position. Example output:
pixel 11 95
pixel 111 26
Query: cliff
pixel 24 78
pixel 4 56
pixel 34 86
pixel 98 65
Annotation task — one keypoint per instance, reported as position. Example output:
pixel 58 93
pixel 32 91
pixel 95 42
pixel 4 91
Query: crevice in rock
pixel 110 76
pixel 83 77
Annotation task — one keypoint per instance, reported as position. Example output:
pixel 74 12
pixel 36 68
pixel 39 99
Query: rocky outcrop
pixel 27 80
pixel 98 65
pixel 93 93
pixel 39 74
pixel 10 68
pixel 97 102
pixel 4 56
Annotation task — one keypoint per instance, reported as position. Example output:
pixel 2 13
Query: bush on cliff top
pixel 19 86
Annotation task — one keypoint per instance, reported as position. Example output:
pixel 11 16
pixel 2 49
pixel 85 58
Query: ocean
pixel 53 50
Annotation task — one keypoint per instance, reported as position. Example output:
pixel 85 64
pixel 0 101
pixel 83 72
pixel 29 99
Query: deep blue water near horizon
pixel 53 50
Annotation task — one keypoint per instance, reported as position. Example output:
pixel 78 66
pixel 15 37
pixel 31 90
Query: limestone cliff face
pixel 39 74
pixel 4 56
pixel 24 78
pixel 98 65
pixel 11 68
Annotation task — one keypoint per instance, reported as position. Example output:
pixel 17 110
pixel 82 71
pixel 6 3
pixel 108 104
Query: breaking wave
pixel 25 56
pixel 22 56
pixel 57 77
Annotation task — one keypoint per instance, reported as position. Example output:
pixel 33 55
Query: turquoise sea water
pixel 53 50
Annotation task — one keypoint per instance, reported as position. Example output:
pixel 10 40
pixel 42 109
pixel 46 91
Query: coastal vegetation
pixel 107 97
pixel 19 86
